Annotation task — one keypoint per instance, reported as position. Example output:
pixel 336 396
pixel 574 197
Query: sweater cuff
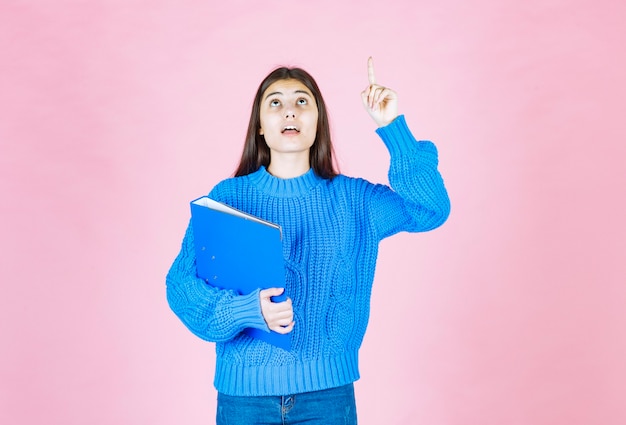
pixel 396 135
pixel 246 310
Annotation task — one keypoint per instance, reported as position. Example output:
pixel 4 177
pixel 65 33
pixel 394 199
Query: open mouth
pixel 290 129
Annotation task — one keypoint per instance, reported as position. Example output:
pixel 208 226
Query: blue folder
pixel 235 250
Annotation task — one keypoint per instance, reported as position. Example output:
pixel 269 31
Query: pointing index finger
pixel 370 71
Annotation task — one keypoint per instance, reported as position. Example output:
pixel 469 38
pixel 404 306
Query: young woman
pixel 332 225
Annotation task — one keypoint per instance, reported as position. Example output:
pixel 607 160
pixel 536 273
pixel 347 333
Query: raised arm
pixel 417 200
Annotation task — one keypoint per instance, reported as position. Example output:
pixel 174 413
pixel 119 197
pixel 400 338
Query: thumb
pixel 364 95
pixel 271 292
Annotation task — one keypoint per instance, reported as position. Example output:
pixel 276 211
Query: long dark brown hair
pixel 256 152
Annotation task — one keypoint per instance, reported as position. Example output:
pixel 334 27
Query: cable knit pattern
pixel 331 232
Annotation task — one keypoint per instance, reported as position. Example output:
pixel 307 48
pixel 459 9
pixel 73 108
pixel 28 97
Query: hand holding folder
pixel 238 251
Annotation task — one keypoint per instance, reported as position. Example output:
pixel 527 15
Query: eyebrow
pixel 295 91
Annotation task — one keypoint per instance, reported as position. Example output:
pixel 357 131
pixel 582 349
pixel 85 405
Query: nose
pixel 290 112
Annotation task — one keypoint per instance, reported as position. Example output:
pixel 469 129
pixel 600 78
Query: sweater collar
pixel 275 186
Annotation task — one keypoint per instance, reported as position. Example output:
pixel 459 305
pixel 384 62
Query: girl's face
pixel 288 115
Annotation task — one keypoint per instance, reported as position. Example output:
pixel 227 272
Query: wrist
pixel 384 123
pixel 246 310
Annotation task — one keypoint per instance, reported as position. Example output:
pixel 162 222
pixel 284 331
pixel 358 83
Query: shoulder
pixel 354 186
pixel 227 188
pixel 349 181
pixel 343 181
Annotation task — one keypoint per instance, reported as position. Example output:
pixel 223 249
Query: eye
pixel 274 102
pixel 302 101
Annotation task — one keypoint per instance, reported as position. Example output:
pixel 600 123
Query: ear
pixel 260 131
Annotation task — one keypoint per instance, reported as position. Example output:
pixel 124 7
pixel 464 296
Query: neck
pixel 288 167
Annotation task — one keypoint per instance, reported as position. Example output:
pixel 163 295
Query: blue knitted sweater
pixel 331 231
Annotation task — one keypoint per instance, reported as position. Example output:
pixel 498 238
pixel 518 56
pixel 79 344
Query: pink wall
pixel 114 114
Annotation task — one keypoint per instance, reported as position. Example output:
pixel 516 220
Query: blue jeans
pixel 335 406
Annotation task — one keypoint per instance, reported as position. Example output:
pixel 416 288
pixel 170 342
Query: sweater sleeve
pixel 210 313
pixel 417 200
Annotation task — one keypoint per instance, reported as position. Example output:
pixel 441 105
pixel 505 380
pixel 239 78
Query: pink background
pixel 114 114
